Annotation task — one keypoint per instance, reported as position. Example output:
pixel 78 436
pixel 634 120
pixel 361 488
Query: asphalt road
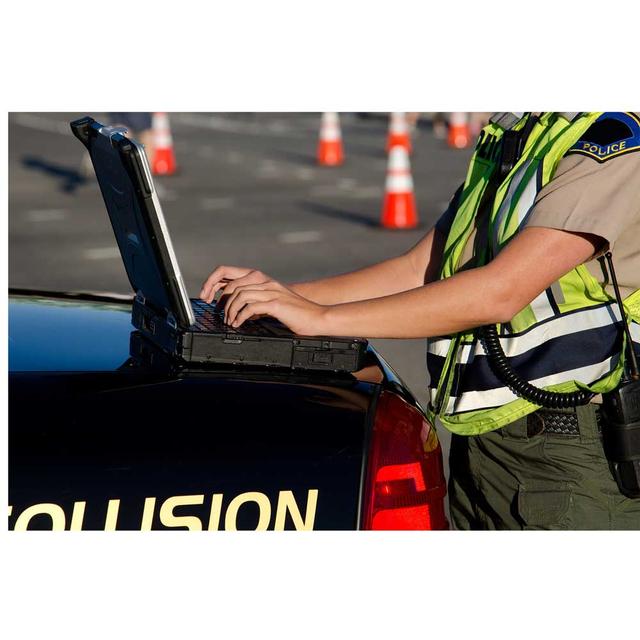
pixel 248 193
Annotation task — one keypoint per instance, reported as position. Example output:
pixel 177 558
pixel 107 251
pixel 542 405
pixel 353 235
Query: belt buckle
pixel 535 424
pixel 558 423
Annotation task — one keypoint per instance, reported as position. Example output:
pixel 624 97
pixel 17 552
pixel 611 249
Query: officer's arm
pixel 528 265
pixel 407 271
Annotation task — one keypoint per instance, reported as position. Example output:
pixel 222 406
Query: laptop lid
pixel 132 203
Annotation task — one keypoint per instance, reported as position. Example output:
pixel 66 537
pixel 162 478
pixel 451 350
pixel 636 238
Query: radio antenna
pixel 635 373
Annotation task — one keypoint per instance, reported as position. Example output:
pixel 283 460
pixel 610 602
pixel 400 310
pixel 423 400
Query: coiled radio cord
pixel 509 377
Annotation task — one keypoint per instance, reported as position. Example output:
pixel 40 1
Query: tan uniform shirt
pixel 587 196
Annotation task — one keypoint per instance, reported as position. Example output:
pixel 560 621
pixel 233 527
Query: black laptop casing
pixel 161 310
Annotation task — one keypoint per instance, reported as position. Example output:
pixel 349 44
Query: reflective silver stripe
pixel 505 119
pixel 557 292
pixel 541 307
pixel 475 400
pixel 569 115
pixel 505 207
pixel 527 198
pixel 515 345
pixel 439 347
pixel 561 326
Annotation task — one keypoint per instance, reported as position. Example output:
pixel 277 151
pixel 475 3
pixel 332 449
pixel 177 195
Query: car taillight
pixel 405 485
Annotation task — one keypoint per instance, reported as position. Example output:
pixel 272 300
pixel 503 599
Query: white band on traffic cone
pixel 330 129
pixel 163 137
pixel 399 124
pixel 458 118
pixel 399 178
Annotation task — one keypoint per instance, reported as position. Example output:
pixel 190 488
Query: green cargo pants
pixel 517 478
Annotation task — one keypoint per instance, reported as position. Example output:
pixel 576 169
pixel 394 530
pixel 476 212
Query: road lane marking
pixel 41 123
pixel 269 169
pixel 168 195
pixel 304 173
pixel 101 253
pixel 323 190
pixel 297 237
pixel 346 184
pixel 206 152
pixel 46 215
pixel 346 190
pixel 277 128
pixel 215 204
pixel 366 192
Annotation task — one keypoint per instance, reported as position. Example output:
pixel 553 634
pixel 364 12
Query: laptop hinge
pixel 169 318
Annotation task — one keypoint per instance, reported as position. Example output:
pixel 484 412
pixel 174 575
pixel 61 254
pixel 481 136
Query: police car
pixel 100 440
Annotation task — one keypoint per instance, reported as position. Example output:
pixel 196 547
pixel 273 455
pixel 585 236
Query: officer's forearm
pixel 466 300
pixel 382 279
pixel 412 269
pixel 529 264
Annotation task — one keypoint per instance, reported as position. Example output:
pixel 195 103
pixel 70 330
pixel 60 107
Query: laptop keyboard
pixel 210 319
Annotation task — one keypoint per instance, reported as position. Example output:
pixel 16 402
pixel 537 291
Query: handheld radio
pixel 621 415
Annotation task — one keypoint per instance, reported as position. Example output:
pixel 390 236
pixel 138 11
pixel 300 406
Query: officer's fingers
pixel 254 309
pixel 216 287
pixel 243 298
pixel 253 277
pixel 223 272
pixel 231 294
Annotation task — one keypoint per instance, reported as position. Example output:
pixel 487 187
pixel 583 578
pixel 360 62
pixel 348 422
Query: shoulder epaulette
pixel 611 135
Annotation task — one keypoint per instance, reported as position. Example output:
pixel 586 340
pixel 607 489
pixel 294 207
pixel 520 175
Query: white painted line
pixel 323 190
pixel 296 237
pixel 366 192
pixel 165 194
pixel 169 196
pixel 269 169
pixel 206 152
pixel 41 123
pixel 216 122
pixel 215 204
pixel 304 173
pixel 101 253
pixel 346 184
pixel 46 215
pixel 355 192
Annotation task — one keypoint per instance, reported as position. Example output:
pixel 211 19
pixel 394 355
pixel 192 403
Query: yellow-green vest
pixel 570 337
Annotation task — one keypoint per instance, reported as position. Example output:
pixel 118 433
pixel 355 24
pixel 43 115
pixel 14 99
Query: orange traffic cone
pixel 458 137
pixel 399 207
pixel 330 151
pixel 398 132
pixel 164 160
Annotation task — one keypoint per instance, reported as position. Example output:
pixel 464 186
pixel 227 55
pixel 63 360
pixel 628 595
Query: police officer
pixel 515 265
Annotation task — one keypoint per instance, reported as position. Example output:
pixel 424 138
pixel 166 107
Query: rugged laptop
pixel 162 311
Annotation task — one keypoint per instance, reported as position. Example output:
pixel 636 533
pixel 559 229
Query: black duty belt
pixel 561 423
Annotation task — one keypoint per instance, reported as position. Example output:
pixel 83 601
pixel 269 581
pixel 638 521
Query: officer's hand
pixel 229 278
pixel 274 299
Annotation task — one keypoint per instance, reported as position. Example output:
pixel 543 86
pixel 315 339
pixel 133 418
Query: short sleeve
pixel 446 219
pixel 590 196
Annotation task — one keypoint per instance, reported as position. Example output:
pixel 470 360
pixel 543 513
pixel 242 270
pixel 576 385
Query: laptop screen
pixel 136 216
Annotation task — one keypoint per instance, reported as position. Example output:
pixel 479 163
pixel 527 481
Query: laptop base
pixel 291 352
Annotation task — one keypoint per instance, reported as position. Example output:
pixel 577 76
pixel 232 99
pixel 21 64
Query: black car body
pixel 104 434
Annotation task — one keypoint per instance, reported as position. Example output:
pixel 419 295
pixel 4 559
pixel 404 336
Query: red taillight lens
pixel 405 485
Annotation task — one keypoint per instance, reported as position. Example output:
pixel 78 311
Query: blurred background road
pixel 248 192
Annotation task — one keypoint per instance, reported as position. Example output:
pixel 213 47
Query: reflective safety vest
pixel 570 337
